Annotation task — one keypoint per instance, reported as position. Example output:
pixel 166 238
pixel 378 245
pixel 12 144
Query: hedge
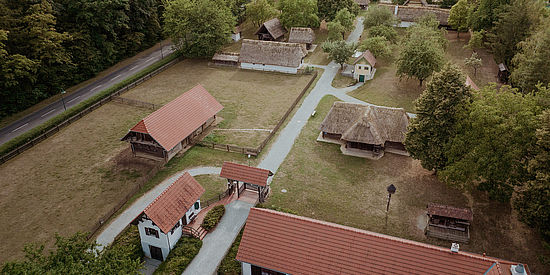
pixel 213 217
pixel 180 257
pixel 129 239
pixel 53 122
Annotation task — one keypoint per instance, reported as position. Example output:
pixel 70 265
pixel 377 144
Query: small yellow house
pixel 364 67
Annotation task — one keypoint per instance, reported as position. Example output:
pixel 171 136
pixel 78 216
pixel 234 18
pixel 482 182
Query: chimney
pixel 455 247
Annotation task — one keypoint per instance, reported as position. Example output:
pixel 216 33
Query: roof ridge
pixel 379 235
pixel 166 190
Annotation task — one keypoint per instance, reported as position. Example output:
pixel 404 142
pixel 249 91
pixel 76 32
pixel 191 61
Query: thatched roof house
pixel 271 30
pixel 366 128
pixel 271 56
pixel 302 36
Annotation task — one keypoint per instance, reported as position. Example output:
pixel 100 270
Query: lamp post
pixel 63 99
pixel 391 190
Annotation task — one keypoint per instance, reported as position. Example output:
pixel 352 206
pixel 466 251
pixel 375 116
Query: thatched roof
pixel 366 124
pixel 273 27
pixel 272 53
pixel 368 56
pixel 301 35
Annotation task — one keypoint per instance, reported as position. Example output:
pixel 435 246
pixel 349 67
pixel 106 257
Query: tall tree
pixel 299 13
pixel 335 31
pixel 422 53
pixel 438 110
pixel 385 31
pixel 259 11
pixel 458 16
pixel 345 18
pixel 514 24
pixel 339 51
pixel 75 255
pixel 474 62
pixel 446 4
pixel 493 142
pixel 477 40
pixel 378 16
pixel 483 15
pixel 329 8
pixel 534 198
pixel 531 64
pixel 377 45
pixel 198 28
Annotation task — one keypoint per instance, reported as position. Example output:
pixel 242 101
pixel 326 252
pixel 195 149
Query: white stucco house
pixel 161 224
pixel 236 34
pixel 364 67
pixel 272 56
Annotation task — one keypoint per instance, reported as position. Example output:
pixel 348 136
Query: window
pixel 197 205
pixel 151 232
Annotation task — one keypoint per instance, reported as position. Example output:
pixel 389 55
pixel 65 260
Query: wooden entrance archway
pixel 242 177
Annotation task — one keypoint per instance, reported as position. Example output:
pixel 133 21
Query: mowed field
pixel 68 182
pixel 251 99
pixel 323 183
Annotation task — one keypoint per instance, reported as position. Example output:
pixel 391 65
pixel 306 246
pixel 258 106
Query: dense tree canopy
pixel 531 63
pixel 483 15
pixel 259 11
pixel 377 16
pixel 329 8
pixel 198 28
pixel 377 45
pixel 458 16
pixel 299 13
pixel 438 110
pixel 385 31
pixel 335 31
pixel 339 50
pixel 75 255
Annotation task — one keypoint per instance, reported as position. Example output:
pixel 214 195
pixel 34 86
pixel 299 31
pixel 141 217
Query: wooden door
pixel 156 252
pixel 361 78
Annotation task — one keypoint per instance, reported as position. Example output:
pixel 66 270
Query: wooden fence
pixel 82 113
pixel 218 198
pixel 256 151
pixel 136 103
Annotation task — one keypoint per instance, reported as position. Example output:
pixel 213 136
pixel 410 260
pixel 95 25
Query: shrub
pixel 213 217
pixel 180 257
pixel 130 239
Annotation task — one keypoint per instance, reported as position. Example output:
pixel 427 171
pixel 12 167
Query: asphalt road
pixel 35 119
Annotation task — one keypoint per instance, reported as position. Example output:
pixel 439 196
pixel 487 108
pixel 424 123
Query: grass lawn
pixel 213 185
pixel 318 56
pixel 324 184
pixel 251 99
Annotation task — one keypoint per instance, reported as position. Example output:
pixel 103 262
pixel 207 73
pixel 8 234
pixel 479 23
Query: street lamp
pixel 391 190
pixel 63 99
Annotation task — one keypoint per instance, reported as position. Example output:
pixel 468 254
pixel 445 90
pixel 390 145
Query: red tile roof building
pixel 167 130
pixel 293 244
pixel 248 174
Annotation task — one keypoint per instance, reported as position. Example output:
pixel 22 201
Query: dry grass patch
pixel 251 99
pixel 324 184
pixel 213 185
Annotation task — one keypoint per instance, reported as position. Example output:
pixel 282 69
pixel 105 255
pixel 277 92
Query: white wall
pixel 246 269
pixel 165 241
pixel 236 37
pixel 191 211
pixel 362 69
pixel 270 68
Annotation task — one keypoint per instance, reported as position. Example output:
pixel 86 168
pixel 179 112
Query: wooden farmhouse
pixel 174 126
pixel 449 223
pixel 271 56
pixel 162 222
pixel 236 34
pixel 364 130
pixel 364 67
pixel 304 36
pixel 246 178
pixel 278 243
pixel 271 30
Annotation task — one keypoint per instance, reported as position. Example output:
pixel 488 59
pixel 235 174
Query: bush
pixel 229 265
pixel 52 123
pixel 129 238
pixel 213 217
pixel 180 257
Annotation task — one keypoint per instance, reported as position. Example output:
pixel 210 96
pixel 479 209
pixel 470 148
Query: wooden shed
pixel 503 73
pixel 271 30
pixel 304 36
pixel 226 59
pixel 448 222
pixel 174 126
pixel 243 178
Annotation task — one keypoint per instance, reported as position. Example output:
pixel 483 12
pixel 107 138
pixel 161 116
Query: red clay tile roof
pixel 450 211
pixel 471 83
pixel 298 245
pixel 367 55
pixel 172 203
pixel 176 120
pixel 245 173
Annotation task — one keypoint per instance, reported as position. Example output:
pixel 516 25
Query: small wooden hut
pixel 174 126
pixel 304 36
pixel 226 59
pixel 448 222
pixel 503 73
pixel 271 30
pixel 365 131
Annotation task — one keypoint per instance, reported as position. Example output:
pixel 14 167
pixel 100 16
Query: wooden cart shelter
pixel 448 222
pixel 271 30
pixel 244 178
pixel 174 126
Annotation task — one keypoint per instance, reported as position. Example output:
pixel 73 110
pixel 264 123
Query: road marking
pixel 99 86
pixel 131 69
pixel 73 99
pixel 151 58
pixel 48 112
pixel 20 127
pixel 117 76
